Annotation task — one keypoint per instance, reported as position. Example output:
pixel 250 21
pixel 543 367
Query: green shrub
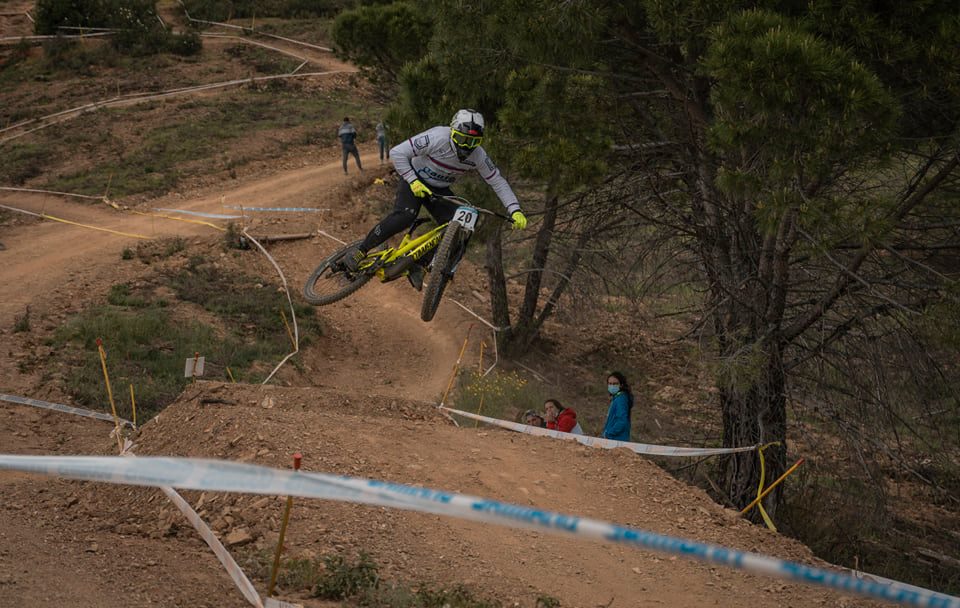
pixel 145 347
pixel 121 295
pixel 185 44
pixel 342 579
pixel 22 322
pixel 19 54
pixel 148 342
pixel 454 597
pixel 502 394
pixel 23 161
pixel 233 237
pixel 139 31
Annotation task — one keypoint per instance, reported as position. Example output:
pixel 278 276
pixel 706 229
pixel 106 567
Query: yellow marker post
pixel 106 378
pixel 283 530
pixel 480 364
pixel 193 372
pixel 109 179
pixel 133 406
pixel 289 331
pixel 476 423
pixel 771 487
pixel 456 366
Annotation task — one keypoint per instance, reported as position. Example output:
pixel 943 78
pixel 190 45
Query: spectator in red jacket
pixel 561 418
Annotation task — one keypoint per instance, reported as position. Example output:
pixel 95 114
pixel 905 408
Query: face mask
pixel 613 389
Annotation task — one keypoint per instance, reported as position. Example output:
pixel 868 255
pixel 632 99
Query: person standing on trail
pixel 348 134
pixel 561 418
pixel 429 163
pixel 382 140
pixel 621 406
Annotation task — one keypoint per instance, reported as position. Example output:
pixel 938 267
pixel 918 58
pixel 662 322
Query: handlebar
pixel 459 200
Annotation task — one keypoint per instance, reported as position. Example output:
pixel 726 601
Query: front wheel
pixel 329 283
pixel 443 263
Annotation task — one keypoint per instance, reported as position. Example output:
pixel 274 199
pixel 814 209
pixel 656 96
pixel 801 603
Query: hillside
pixel 347 416
pixel 357 400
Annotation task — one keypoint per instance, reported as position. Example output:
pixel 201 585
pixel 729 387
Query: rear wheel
pixel 329 283
pixel 443 262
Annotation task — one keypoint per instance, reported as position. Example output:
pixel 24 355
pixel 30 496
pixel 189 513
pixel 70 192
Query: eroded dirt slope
pixel 85 544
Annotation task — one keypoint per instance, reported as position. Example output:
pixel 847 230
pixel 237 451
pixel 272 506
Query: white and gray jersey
pixel 431 158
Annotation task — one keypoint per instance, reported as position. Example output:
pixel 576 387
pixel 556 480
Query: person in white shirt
pixel 429 163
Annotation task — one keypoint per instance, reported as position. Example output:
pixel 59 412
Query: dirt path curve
pixel 45 254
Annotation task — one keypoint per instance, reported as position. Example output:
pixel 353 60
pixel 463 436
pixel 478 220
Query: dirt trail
pixel 45 254
pixel 85 544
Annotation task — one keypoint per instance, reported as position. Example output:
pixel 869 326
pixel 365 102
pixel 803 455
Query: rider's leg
pixel 405 210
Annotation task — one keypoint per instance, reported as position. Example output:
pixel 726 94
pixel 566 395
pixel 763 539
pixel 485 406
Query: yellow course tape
pixel 182 219
pixel 130 234
pixel 763 471
pixel 771 487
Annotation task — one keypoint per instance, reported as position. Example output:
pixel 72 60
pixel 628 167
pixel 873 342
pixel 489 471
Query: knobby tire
pixel 342 285
pixel 442 270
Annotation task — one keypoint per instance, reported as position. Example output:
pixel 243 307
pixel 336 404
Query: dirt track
pixel 84 544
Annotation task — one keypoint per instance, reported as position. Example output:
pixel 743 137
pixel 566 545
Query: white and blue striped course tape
pixel 599 442
pixel 223 476
pixel 215 216
pixel 62 408
pixel 280 209
pixel 234 571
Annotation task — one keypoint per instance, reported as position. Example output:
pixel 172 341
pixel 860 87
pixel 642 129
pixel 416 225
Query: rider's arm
pixel 491 174
pixel 402 153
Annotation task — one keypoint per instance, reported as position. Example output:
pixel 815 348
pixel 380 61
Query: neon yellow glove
pixel 519 220
pixel 420 189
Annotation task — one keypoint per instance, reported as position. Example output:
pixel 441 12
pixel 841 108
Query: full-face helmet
pixel 466 132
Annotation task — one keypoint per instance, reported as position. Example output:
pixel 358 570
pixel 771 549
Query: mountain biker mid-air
pixel 429 163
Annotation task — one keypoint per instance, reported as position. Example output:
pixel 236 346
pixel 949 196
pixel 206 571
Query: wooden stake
pixel 283 530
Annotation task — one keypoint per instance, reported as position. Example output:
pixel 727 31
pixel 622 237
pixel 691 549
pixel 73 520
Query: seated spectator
pixel 561 418
pixel 532 418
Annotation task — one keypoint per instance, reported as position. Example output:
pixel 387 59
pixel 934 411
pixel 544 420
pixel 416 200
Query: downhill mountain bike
pixel 331 281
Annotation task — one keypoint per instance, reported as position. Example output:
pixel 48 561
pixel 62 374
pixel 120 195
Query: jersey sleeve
pixel 491 174
pixel 402 153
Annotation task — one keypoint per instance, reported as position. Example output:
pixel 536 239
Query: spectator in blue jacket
pixel 348 134
pixel 621 406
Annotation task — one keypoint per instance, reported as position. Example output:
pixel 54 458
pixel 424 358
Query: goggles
pixel 462 140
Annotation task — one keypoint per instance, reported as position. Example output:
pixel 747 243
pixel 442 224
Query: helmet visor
pixel 462 140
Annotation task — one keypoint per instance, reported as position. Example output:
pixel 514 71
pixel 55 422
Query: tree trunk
pixel 754 413
pixel 527 328
pixel 499 306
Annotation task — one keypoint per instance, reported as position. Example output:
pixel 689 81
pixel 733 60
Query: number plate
pixel 466 217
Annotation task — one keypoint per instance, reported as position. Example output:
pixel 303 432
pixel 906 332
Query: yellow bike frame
pixel 409 247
